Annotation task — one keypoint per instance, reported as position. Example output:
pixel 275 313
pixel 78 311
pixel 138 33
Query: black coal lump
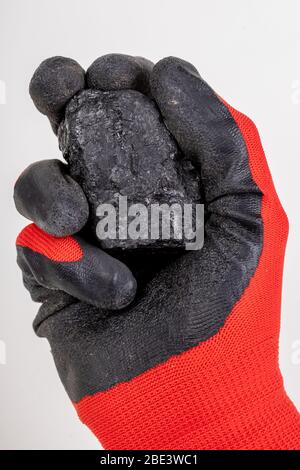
pixel 116 144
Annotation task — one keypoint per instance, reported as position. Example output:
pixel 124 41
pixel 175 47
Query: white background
pixel 248 50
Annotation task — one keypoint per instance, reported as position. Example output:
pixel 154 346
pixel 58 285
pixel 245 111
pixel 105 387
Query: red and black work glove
pixel 192 362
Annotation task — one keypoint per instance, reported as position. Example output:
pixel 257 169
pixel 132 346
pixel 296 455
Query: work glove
pixel 190 359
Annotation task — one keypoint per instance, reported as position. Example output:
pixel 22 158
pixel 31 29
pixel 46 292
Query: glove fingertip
pixel 46 194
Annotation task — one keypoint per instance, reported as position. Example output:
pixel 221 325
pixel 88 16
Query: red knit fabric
pixel 226 393
pixel 62 249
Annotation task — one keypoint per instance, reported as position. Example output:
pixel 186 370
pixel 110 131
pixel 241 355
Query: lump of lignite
pixel 116 144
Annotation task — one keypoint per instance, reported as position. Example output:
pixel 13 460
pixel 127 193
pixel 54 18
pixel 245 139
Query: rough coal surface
pixel 116 143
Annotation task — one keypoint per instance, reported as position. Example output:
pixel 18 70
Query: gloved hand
pixel 192 362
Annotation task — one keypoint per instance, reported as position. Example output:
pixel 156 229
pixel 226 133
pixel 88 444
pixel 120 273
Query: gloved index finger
pixel 72 265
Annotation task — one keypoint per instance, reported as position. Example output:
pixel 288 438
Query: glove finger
pixel 53 84
pixel 206 132
pixel 47 195
pixel 119 72
pixel 74 266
